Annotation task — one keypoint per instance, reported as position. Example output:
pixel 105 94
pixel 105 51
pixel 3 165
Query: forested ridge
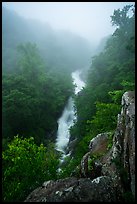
pixel 34 94
pixel 36 84
pixel 36 74
pixel 111 73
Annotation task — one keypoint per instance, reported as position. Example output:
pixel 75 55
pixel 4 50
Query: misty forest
pixel 59 91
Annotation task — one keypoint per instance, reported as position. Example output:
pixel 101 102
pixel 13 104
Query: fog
pixel 90 20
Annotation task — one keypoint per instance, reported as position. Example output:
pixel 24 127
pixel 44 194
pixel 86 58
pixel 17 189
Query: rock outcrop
pixel 97 147
pixel 120 163
pixel 112 176
pixel 76 190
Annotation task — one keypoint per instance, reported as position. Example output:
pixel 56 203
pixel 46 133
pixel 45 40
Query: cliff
pixel 107 171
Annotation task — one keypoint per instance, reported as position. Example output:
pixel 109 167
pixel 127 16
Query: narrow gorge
pixel 68 102
pixel 112 176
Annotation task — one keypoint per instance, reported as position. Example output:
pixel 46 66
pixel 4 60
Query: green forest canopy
pixel 33 98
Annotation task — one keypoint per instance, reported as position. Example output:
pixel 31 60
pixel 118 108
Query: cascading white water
pixel 64 123
pixel 77 81
pixel 68 117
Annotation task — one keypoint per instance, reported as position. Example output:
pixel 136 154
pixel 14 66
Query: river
pixel 68 117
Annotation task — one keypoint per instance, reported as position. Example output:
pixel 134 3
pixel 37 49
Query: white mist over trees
pixel 90 20
pixel 59 49
pixel 44 45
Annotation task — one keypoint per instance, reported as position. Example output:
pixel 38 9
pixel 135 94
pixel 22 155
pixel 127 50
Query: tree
pixel 120 18
pixel 30 63
pixel 33 99
pixel 105 118
pixel 112 71
pixel 25 167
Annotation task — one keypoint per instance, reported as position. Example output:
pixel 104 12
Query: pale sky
pixel 88 19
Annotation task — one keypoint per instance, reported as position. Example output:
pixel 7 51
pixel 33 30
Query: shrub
pixel 25 167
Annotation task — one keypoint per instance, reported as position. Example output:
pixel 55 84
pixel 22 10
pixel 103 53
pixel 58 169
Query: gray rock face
pixel 121 161
pixel 76 190
pixel 128 114
pixel 113 173
pixel 98 143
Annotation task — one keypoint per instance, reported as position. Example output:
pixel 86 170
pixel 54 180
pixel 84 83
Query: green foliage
pixel 70 168
pixel 127 194
pixel 71 165
pixel 128 85
pixel 34 96
pixel 32 99
pixel 105 118
pixel 110 139
pixel 25 167
pixel 111 73
pixel 30 62
pixel 120 17
pixel 116 96
pixel 92 159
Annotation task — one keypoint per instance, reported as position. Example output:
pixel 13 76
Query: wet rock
pixel 121 161
pixel 76 190
pixel 99 143
pixel 128 113
pixel 51 188
pixel 71 146
pixel 84 165
pixel 112 174
pixel 97 146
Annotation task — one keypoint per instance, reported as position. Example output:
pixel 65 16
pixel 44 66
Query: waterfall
pixel 68 117
pixel 77 81
pixel 64 123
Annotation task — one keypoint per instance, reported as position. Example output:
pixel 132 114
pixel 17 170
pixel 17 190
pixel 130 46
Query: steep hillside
pixel 107 174
pixel 36 85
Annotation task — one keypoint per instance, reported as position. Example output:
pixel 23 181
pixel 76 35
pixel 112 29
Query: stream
pixel 68 117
